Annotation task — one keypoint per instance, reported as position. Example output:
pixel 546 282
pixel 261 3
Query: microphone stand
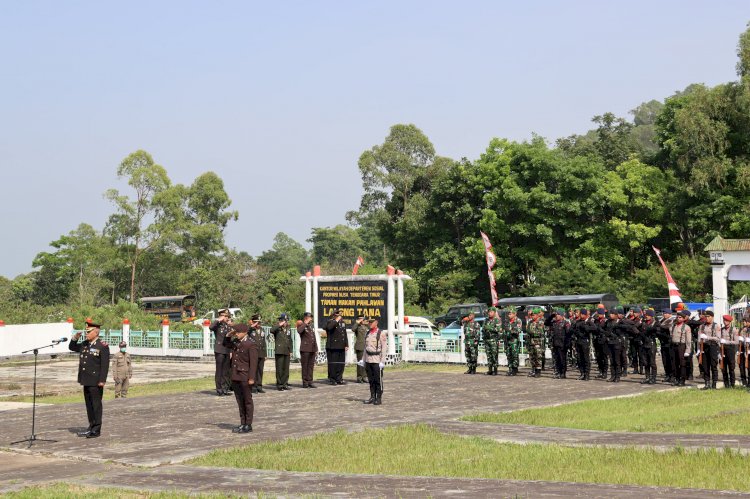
pixel 33 438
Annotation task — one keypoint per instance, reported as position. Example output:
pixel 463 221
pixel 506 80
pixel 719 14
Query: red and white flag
pixel 674 291
pixel 491 260
pixel 360 261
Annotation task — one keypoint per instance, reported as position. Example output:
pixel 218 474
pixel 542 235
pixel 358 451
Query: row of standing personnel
pixel 618 340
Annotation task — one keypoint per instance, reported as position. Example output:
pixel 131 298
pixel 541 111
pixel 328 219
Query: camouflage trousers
pixel 536 353
pixel 472 353
pixel 490 348
pixel 512 353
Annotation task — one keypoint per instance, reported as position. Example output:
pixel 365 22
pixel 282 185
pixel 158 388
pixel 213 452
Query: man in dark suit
pixel 258 336
pixel 337 344
pixel 93 366
pixel 308 348
pixel 244 367
pixel 220 328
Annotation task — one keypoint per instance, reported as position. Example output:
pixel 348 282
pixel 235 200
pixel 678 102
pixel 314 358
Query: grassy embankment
pixel 721 412
pixel 419 450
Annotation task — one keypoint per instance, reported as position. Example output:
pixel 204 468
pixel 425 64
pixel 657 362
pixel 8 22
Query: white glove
pixel 741 339
pixel 381 365
pixel 361 363
pixel 703 336
pixel 723 341
pixel 687 354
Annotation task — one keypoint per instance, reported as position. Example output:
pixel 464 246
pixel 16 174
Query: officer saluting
pixel 93 366
pixel 244 369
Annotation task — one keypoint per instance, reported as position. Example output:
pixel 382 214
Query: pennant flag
pixel 360 261
pixel 674 291
pixel 491 260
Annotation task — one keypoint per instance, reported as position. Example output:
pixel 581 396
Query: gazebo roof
pixel 720 244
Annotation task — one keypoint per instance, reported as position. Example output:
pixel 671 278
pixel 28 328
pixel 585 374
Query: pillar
pixel 164 336
pixel 400 303
pixel 315 309
pixel 391 322
pixel 207 338
pixel 126 331
pixel 719 277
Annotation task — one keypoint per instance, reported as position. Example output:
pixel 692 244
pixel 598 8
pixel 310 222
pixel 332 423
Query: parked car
pixel 234 313
pixel 423 329
pixel 456 312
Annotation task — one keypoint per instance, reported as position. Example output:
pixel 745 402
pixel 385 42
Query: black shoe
pixel 254 390
pixel 580 377
pixel 311 386
pixel 287 387
pixel 489 373
pixel 532 373
pixel 538 373
pixel 220 393
pixel 238 429
pixel 586 378
pixel 260 390
pixel 468 371
pixel 84 433
pixel 246 428
pixel 646 381
pixel 342 382
pixel 280 388
pixel 510 372
pixel 93 435
pixel 370 400
pixel 378 400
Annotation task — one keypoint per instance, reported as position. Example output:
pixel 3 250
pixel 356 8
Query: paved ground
pixel 59 375
pixel 161 432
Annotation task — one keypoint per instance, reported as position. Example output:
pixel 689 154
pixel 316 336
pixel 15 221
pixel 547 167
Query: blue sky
pixel 281 98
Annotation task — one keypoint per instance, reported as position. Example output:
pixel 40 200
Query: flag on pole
pixel 360 261
pixel 674 291
pixel 491 260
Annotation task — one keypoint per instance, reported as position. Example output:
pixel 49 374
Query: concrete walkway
pixel 34 470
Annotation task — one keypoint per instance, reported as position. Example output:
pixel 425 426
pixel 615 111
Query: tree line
pixel 576 215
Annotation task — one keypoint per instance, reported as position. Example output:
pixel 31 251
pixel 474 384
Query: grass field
pixel 420 450
pixel 207 383
pixel 721 412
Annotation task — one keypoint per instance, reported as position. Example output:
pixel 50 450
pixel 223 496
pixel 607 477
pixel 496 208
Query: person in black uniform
pixel 220 328
pixel 337 344
pixel 93 367
pixel 558 333
pixel 582 337
pixel 258 336
pixel 308 348
pixel 648 333
pixel 282 336
pixel 244 367
pixel 614 345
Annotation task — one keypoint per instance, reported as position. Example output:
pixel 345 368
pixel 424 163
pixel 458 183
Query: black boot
pixel 713 385
pixel 372 396
pixel 378 398
pixel 468 370
pixel 537 373
pixel 532 373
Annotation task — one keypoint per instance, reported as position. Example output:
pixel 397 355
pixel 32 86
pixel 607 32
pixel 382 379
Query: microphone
pixel 61 340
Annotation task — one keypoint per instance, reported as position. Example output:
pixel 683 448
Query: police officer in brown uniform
pixel 681 348
pixel 122 371
pixel 729 341
pixel 710 334
pixel 360 330
pixel 220 328
pixel 308 348
pixel 257 336
pixel 376 346
pixel 337 343
pixel 244 367
pixel 93 367
pixel 282 336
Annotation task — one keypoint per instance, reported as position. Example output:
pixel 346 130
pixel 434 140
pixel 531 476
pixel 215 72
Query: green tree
pixel 285 254
pixel 141 223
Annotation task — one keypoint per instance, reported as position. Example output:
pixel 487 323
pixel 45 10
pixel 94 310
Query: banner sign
pixel 353 298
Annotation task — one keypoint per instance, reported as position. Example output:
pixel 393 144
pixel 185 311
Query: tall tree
pixel 141 222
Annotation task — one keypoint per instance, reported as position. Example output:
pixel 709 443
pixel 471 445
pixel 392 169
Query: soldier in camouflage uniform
pixel 491 336
pixel 512 333
pixel 471 333
pixel 535 340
